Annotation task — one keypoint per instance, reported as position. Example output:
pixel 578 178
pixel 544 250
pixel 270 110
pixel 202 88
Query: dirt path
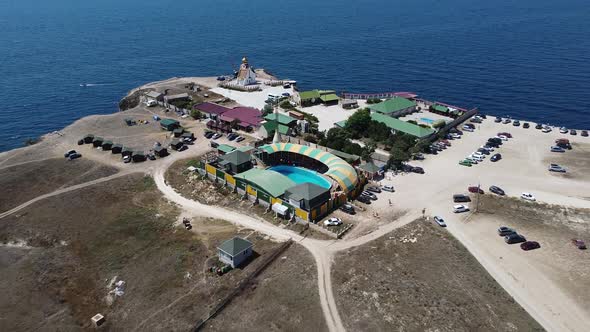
pixel 62 191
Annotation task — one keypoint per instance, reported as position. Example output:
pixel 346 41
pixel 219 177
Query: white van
pixel 273 97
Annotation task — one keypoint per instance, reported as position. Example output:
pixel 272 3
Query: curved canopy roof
pixel 338 169
pixel 272 182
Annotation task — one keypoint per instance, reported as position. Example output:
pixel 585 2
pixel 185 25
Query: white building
pixel 246 75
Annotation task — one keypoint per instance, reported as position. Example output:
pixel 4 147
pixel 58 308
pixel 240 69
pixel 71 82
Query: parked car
pixel 546 129
pixel 557 149
pixel 388 188
pixel 563 130
pixel 525 125
pixel 506 121
pixel 509 135
pixel 74 155
pixel 502 137
pixel 369 194
pixel 151 156
pixel 347 208
pixel 497 190
pixel 556 168
pixel 516 123
pixel 363 199
pixel 182 148
pixel 127 159
pixel 471 160
pixel 498 120
pixel 470 125
pixel 333 222
pixel 67 154
pixel 240 138
pixel 374 189
pixel 530 245
pixel 209 134
pixel 232 136
pixel 539 126
pixel 496 157
pixel 80 142
pixel 514 238
pixel 505 231
pixel 573 132
pixel 418 156
pixel 216 136
pixel 460 198
pixel 460 208
pixel 528 196
pixel 579 244
pixel 584 133
pixel 475 190
pixel 418 170
pixel 469 129
pixel 465 162
pixel 483 151
pixel 440 221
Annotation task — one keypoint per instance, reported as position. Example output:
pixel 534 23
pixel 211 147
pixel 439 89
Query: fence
pixel 462 118
pixel 382 95
pixel 234 86
pixel 201 323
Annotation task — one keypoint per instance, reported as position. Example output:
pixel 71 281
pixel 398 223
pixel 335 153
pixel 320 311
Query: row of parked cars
pixel 573 132
pixel 480 154
pixel 231 136
pixel 511 237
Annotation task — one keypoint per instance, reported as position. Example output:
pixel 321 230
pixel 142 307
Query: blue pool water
pixel 427 120
pixel 301 175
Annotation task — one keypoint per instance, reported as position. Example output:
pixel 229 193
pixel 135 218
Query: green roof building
pixel 273 183
pixel 402 126
pixel 236 161
pixel 394 106
pixel 440 108
pixel 281 118
pixel 169 124
pixel 268 128
pixel 225 149
pixel 307 195
pixel 235 251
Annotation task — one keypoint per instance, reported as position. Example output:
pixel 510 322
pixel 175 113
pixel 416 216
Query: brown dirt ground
pixel 576 161
pixel 421 278
pixel 284 298
pixel 26 181
pixel 78 241
pixel 553 227
pixel 193 186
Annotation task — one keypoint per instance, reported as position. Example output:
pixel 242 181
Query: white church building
pixel 246 75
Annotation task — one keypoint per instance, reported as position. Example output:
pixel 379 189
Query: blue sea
pixel 526 58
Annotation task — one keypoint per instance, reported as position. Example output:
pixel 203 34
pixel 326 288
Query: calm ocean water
pixel 529 58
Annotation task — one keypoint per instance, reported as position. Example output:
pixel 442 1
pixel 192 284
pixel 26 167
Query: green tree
pixel 196 114
pixel 358 123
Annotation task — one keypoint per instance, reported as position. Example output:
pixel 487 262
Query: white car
pixel 502 137
pixel 487 148
pixel 563 130
pixel 465 128
pixel 528 196
pixel 546 129
pixel 460 208
pixel 333 222
pixel 479 155
pixel 440 221
pixel 471 160
pixel 455 135
pixel 476 157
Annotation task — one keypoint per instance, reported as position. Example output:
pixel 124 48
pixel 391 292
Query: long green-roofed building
pixel 394 106
pixel 402 126
pixel 274 183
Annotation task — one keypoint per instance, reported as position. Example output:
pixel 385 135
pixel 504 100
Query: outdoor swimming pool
pixel 301 175
pixel 427 120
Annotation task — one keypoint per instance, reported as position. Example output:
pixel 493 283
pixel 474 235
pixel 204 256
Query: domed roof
pixel 244 60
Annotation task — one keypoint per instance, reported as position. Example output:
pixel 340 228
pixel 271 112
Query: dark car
pixel 74 156
pixel 509 135
pixel 209 134
pixel 232 136
pixel 496 157
pixel 584 133
pixel 81 142
pixel 182 148
pixel 418 170
pixel 460 198
pixel 498 120
pixel 579 244
pixel 525 125
pixel 347 208
pixel 573 132
pixel 505 231
pixel 514 238
pixel 151 156
pixel 530 245
pixel 475 190
pixel 69 153
pixel 483 151
pixel 374 189
pixel 364 199
pixel 497 190
pixel 557 149
pixel 539 126
pixel 516 123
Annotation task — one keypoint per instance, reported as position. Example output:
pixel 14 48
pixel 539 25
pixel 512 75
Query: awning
pixel 280 209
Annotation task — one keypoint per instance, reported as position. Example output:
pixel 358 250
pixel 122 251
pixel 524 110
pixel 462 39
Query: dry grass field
pixel 420 278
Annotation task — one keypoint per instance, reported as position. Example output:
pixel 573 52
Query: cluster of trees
pixel 340 139
pixel 373 101
pixel 360 125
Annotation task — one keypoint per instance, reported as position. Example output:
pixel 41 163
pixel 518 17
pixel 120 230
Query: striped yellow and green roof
pixel 338 169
